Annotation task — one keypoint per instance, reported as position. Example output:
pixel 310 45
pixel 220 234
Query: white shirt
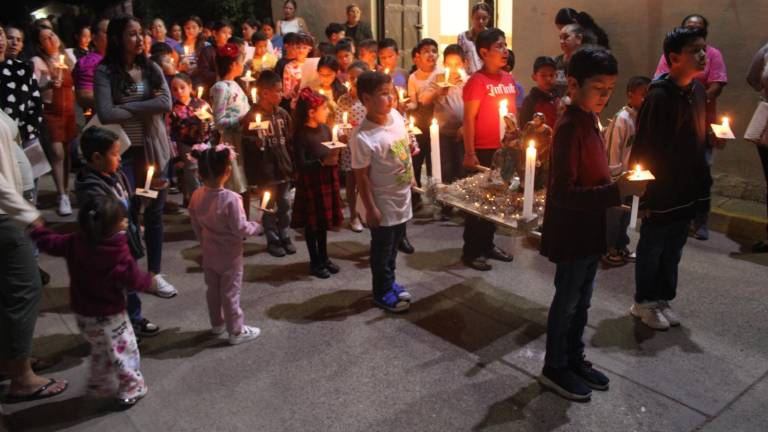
pixel 385 148
pixel 11 186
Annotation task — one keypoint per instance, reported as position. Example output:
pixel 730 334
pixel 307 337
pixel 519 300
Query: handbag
pixel 757 131
pixel 134 240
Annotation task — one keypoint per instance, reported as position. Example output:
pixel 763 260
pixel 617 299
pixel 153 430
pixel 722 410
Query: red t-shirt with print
pixel 490 90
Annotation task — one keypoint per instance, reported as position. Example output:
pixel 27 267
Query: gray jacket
pixel 152 110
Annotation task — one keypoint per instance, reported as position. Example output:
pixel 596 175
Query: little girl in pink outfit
pixel 219 221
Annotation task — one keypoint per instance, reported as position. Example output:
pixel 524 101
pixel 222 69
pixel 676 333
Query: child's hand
pixel 471 161
pixel 373 218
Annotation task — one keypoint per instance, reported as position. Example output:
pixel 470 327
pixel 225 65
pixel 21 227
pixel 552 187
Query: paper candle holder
pixel 262 125
pixel 723 131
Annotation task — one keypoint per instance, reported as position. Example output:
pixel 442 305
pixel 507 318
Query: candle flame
pixel 413 124
pixel 258 119
pixel 253 95
pixel 401 92
pixel 386 71
pixel 434 122
pixel 726 122
pixel 200 92
pixel 265 200
pixel 532 144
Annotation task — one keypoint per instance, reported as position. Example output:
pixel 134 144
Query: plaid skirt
pixel 317 204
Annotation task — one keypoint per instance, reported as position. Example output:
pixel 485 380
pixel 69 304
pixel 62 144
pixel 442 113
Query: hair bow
pixel 229 50
pixel 311 97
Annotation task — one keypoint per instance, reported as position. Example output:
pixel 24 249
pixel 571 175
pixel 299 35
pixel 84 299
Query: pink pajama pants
pixel 114 355
pixel 223 297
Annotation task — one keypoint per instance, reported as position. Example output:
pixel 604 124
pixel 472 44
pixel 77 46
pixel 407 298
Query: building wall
pixel 320 13
pixel 636 30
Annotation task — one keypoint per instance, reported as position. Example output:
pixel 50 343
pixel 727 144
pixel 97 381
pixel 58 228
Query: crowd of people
pixel 278 114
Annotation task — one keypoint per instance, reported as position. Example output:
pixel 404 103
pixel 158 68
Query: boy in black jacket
pixel 671 140
pixel 102 176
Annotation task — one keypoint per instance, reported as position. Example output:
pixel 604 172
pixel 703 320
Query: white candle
pixel 348 85
pixel 434 137
pixel 401 92
pixel 200 92
pixel 150 173
pixel 345 118
pixel 503 111
pixel 335 134
pixel 530 174
pixel 265 200
pixel 635 202
pixel 248 75
pixel 258 119
pixel 412 124
pixel 186 51
pixel 447 75
pixel 254 99
pixel 61 67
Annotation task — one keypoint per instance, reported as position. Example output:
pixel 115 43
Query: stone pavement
pixel 465 357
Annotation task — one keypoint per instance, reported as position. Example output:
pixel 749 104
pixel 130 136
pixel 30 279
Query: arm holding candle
pixel 237 222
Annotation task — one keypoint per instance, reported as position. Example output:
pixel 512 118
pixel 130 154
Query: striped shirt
pixel 134 127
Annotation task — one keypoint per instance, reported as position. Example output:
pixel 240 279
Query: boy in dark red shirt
pixel 580 190
pixel 483 93
pixel 542 98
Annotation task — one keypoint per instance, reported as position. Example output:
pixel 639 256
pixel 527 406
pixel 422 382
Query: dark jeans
pixel 568 313
pixel 451 158
pixel 134 166
pixel 763 152
pixel 478 232
pixel 20 291
pixel 384 241
pixel 317 245
pixel 616 223
pixel 423 158
pixel 658 254
pixel 276 225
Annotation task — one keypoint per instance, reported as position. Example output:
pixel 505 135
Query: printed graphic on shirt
pixel 501 90
pixel 401 150
pixel 274 135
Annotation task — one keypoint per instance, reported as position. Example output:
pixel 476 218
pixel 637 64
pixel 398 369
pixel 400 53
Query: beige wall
pixel 636 29
pixel 319 13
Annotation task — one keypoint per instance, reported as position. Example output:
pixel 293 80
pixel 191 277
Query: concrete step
pixel 739 219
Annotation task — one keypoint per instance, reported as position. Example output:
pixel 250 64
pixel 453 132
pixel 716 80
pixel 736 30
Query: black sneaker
pixel 276 249
pixel 405 246
pixel 145 328
pixel 479 263
pixel 499 255
pixel 288 246
pixel 591 376
pixel 332 267
pixel 565 383
pixel 320 271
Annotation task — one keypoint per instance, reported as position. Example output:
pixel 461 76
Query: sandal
pixel 390 302
pixel 38 394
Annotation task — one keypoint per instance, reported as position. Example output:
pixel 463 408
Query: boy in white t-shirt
pixel 383 168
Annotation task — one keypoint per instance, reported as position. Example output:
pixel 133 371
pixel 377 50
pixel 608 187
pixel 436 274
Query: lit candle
pixel 254 98
pixel 265 200
pixel 447 74
pixel 322 92
pixel 186 51
pixel 503 111
pixel 386 71
pixel 635 201
pixel 335 134
pixel 412 124
pixel 401 92
pixel 61 67
pixel 258 119
pixel 348 85
pixel 200 92
pixel 150 173
pixel 248 75
pixel 434 137
pixel 264 61
pixel 345 118
pixel 530 173
pixel 726 122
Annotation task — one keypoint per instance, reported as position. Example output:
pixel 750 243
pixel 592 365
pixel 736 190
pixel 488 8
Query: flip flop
pixel 37 395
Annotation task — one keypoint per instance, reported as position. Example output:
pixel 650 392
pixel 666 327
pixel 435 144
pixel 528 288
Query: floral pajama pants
pixel 114 355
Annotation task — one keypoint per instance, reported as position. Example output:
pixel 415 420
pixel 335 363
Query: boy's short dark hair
pixel 705 30
pixel 636 82
pixel 237 40
pixel 332 29
pixel 329 62
pixel 259 37
pixel 677 39
pixel 96 140
pixel 305 39
pixel 291 38
pixel 511 60
pixel 218 25
pixel 158 50
pixel 326 48
pixel 426 42
pixel 344 45
pixel 487 38
pixel 542 62
pixel 359 64
pixel 267 79
pixel 454 49
pixel 184 77
pixel 369 45
pixel 370 81
pixel 388 43
pixel 592 61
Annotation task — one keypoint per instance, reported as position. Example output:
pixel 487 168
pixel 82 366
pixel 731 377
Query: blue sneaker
pixel 401 292
pixel 390 302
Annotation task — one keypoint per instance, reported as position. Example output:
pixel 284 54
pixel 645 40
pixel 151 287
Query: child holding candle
pixel 350 104
pixel 542 98
pixel 671 142
pixel 619 137
pixel 483 94
pixel 230 105
pixel 382 163
pixel 262 58
pixel 317 204
pixel 268 161
pixel 367 51
pixel 220 224
pixel 292 71
pixel 389 56
pixel 100 267
pixel 573 236
pixel 449 112
pixel 345 54
pixel 187 128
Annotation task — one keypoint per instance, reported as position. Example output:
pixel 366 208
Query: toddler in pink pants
pixel 219 221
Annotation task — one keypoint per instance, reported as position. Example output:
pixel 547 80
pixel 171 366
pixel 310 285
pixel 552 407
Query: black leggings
pixel 317 245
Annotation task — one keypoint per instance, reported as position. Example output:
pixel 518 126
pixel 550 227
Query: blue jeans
pixel 384 241
pixel 276 225
pixel 658 254
pixel 574 281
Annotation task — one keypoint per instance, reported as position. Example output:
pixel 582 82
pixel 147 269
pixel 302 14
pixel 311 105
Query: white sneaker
pixel 164 289
pixel 355 225
pixel 217 330
pixel 65 207
pixel 247 333
pixel 672 317
pixel 650 314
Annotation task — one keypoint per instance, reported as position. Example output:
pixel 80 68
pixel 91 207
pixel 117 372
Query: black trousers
pixel 478 232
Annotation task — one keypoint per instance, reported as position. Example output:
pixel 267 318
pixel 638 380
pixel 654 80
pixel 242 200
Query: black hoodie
pixel 671 141
pixel 91 184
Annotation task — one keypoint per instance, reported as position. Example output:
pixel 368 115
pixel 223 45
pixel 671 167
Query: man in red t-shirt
pixel 483 93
